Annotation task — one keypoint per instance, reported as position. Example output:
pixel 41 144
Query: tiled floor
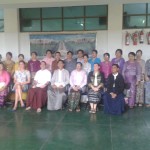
pixel 63 130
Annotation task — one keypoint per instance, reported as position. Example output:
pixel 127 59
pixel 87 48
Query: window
pixel 56 19
pixel 1 20
pixel 136 15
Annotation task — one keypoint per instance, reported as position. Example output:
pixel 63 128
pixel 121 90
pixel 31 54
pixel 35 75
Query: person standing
pixel 105 66
pixel 118 60
pixel 94 59
pixel 33 65
pixel 70 63
pixel 48 59
pixel 55 62
pixel 9 64
pixel 132 76
pixel 140 86
pixel 4 82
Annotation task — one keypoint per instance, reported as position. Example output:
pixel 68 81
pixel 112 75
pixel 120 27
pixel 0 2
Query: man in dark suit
pixel 114 98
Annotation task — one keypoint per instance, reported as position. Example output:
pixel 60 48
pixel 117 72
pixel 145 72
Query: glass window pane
pixel 134 9
pixel 134 21
pixel 73 11
pixel 96 10
pixel 33 13
pixel 95 23
pixel 73 24
pixel 31 25
pixel 1 25
pixel 52 12
pixel 52 25
pixel 1 14
pixel 149 8
pixel 148 21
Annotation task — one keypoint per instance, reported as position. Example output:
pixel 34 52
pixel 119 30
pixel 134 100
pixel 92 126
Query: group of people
pixel 54 81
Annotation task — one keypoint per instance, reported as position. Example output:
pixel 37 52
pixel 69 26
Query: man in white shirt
pixel 37 95
pixel 56 92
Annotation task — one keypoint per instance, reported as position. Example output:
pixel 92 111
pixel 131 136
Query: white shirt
pixel 60 81
pixel 115 76
pixel 42 77
pixel 95 79
pixel 87 67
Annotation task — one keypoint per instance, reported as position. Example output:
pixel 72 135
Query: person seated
pixel 95 84
pixel 114 98
pixel 37 95
pixel 56 93
pixel 4 81
pixel 78 81
pixel 21 81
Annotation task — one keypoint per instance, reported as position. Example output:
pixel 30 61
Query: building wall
pixel 107 40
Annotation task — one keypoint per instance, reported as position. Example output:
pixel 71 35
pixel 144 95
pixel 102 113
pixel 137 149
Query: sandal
pixel 70 110
pixel 78 110
pixel 28 108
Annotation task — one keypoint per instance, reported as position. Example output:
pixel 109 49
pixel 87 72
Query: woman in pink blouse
pixel 105 66
pixel 48 59
pixel 4 81
pixel 78 80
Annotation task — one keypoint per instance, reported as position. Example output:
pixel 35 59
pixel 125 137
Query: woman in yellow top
pixel 20 58
pixel 9 63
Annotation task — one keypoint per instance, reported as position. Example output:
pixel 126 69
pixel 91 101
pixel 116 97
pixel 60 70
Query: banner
pixel 62 43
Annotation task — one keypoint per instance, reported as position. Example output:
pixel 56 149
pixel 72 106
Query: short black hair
pixel 119 50
pixel 116 65
pixel 61 61
pixel 80 50
pixel 57 53
pixel 106 54
pixel 34 53
pixel 21 55
pixel 9 53
pixel 95 51
pixel 86 55
pixel 132 53
pixel 43 62
pixel 79 63
pixel 97 64
pixel 48 51
pixel 70 52
pixel 139 51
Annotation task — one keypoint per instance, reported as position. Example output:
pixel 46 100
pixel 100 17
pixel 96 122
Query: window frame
pixel 145 15
pixel 62 18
